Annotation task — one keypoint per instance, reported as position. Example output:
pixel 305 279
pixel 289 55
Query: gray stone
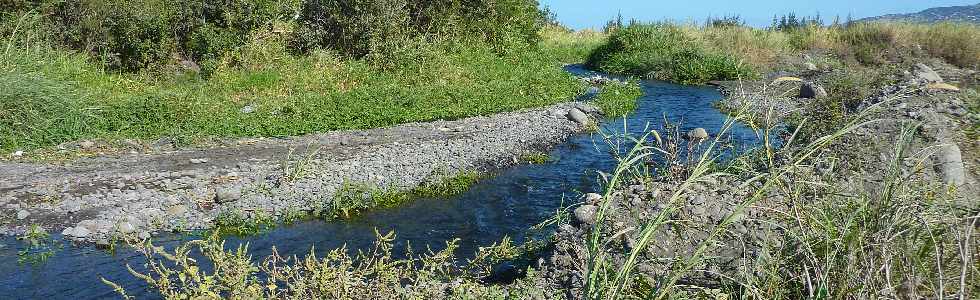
pixel 86 145
pixel 248 109
pixel 593 198
pixel 585 214
pixel 951 165
pixel 125 227
pixel 589 109
pixel 227 194
pixel 812 90
pixel 80 232
pixel 73 206
pixel 809 66
pixel 23 214
pixel 177 210
pixel 697 134
pixel 578 116
pixel 927 74
pixel 199 160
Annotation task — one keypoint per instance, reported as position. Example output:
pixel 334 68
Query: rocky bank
pixel 94 199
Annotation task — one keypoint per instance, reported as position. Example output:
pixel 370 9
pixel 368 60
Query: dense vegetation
pixel 192 70
pixel 663 51
pixel 726 50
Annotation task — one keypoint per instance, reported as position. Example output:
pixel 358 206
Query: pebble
pixel 585 214
pixel 593 198
pixel 23 214
pixel 199 160
pixel 697 134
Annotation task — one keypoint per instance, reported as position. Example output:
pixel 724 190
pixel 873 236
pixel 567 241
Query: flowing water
pixel 506 204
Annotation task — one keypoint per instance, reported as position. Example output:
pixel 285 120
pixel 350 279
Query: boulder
pixel 578 116
pixel 927 74
pixel 951 165
pixel 812 90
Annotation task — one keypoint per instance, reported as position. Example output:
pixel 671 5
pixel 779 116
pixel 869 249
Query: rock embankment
pixel 95 198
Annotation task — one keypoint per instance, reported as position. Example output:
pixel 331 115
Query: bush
pixel 869 43
pixel 664 52
pixel 133 35
pixel 357 28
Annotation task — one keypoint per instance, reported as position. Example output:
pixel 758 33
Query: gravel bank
pixel 92 199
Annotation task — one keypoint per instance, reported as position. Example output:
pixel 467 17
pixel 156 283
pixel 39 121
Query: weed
pixel 354 198
pixel 38 247
pixel 537 158
pixel 447 185
pixel 617 99
pixel 241 223
pixel 370 274
pixel 298 169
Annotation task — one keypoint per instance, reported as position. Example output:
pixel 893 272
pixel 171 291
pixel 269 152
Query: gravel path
pixel 94 198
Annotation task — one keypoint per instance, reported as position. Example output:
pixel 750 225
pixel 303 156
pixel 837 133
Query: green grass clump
pixel 664 51
pixel 49 96
pixel 447 185
pixel 617 99
pixel 537 158
pixel 38 246
pixel 239 223
pixel 568 46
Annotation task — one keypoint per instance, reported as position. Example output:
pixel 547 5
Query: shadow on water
pixel 506 204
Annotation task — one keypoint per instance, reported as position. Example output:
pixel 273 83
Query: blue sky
pixel 580 14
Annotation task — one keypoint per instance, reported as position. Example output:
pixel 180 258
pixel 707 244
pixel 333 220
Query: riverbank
pixel 264 180
pixel 870 189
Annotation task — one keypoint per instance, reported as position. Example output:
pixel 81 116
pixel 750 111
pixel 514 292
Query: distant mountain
pixel 968 13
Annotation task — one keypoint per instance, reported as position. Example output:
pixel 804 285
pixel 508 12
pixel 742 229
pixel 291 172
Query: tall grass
pixel 49 96
pixel 898 238
pixel 663 51
pixel 693 54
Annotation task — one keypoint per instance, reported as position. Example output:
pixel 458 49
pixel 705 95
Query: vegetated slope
pixel 188 73
pixel 966 13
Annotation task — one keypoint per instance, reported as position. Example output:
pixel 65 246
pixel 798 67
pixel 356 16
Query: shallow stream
pixel 506 204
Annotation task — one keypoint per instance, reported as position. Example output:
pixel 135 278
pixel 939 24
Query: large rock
pixel 927 74
pixel 578 116
pixel 951 165
pixel 812 90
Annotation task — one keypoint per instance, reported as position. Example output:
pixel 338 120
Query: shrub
pixel 869 43
pixel 665 52
pixel 357 28
pixel 133 35
pixel 957 43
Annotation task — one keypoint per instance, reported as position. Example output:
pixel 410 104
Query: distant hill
pixel 968 13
